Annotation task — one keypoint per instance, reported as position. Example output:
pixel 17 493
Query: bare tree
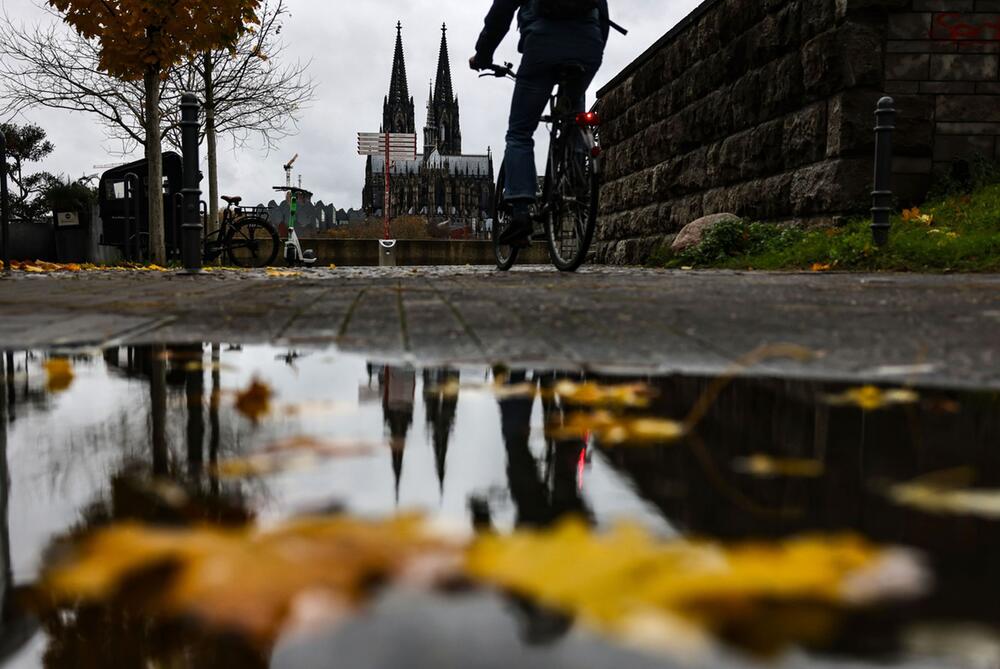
pixel 249 95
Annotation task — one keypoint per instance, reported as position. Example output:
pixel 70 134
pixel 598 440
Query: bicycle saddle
pixel 233 200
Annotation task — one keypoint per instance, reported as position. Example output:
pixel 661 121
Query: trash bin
pixel 72 236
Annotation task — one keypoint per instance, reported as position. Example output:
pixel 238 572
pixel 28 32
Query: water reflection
pixel 129 440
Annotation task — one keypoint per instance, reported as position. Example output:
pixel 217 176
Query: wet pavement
pixel 937 330
pixel 154 432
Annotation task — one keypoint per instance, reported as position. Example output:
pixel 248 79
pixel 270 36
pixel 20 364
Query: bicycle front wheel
pixel 574 191
pixel 252 242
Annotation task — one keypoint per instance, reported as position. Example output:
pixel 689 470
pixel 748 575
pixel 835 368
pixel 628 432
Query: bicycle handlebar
pixel 500 71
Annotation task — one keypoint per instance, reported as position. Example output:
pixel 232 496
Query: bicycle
pixel 565 213
pixel 246 237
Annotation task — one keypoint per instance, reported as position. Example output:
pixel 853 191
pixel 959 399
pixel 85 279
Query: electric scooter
pixel 294 255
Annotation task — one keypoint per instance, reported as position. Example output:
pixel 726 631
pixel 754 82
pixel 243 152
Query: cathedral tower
pixel 397 110
pixel 443 131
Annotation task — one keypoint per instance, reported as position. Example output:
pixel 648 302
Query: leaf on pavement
pixel 255 401
pixel 765 466
pixel 873 398
pixel 590 393
pixel 58 374
pixel 251 581
pixel 613 430
pixel 948 493
pixel 282 273
pixel 626 583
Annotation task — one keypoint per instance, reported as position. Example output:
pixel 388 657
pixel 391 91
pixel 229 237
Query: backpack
pixel 566 9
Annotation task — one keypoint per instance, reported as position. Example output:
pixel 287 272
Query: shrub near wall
pixel 762 108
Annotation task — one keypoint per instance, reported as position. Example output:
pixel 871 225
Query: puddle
pixel 164 436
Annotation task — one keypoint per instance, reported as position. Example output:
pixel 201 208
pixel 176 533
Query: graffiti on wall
pixel 956 27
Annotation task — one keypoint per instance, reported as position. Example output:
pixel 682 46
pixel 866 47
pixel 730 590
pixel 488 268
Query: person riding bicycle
pixel 554 34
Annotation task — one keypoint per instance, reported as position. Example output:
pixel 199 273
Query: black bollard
pixel 4 204
pixel 191 228
pixel 885 123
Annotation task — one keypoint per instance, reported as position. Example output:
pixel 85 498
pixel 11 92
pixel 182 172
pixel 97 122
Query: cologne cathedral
pixel 442 184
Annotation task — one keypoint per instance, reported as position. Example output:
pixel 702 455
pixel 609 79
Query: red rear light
pixel 596 152
pixel 588 119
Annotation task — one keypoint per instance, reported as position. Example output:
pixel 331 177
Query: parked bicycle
pixel 565 215
pixel 246 237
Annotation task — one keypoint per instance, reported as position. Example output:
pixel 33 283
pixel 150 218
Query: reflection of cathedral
pixel 442 184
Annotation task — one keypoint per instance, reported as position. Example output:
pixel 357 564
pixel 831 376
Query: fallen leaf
pixel 821 267
pixel 250 580
pixel 612 430
pixel 58 374
pixel 872 398
pixel 590 393
pixel 625 583
pixel 282 274
pixel 765 466
pixel 948 493
pixel 255 401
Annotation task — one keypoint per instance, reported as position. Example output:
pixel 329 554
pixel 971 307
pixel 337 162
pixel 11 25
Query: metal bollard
pixel 4 204
pixel 191 228
pixel 885 123
pixel 387 252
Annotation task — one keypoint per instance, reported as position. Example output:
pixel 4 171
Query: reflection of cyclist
pixel 547 44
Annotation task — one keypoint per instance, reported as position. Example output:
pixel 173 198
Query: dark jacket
pixel 501 15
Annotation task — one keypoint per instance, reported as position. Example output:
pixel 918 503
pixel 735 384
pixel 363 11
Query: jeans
pixel 535 83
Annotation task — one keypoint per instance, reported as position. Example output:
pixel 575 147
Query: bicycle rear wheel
pixel 574 197
pixel 506 255
pixel 252 242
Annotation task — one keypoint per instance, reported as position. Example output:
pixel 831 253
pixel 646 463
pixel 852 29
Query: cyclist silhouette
pixel 547 45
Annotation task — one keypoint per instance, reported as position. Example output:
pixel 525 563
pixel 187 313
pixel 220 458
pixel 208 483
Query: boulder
pixel 692 233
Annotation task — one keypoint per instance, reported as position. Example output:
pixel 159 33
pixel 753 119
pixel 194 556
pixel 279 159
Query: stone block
pixel 978 47
pixel 948 148
pixel 968 128
pixel 947 87
pixel 831 187
pixel 920 46
pixel 988 5
pixel 912 165
pixel 843 58
pixel 914 125
pixel 944 5
pixel 850 123
pixel 910 25
pixel 974 108
pixel 902 87
pixel 907 67
pixel 962 67
pixel 988 88
pixel 804 136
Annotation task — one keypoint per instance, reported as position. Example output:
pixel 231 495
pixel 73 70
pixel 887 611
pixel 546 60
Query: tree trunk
pixel 213 152
pixel 154 156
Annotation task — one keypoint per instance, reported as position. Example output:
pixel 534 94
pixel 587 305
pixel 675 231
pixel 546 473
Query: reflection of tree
pixel 155 492
pixel 440 405
pixel 398 386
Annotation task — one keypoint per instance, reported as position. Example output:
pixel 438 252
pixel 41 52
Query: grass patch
pixel 954 233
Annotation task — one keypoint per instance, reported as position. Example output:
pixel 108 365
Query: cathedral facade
pixel 442 184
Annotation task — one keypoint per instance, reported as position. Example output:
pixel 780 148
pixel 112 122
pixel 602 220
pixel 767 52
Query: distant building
pixel 442 184
pixel 312 217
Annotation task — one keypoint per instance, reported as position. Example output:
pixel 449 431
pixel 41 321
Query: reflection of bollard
pixel 191 228
pixel 387 253
pixel 4 203
pixel 885 123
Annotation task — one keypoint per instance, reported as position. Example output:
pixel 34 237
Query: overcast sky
pixel 350 45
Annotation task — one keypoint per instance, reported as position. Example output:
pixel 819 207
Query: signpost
pixel 392 147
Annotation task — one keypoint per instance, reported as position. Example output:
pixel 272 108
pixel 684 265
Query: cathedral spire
pixel 397 113
pixel 443 92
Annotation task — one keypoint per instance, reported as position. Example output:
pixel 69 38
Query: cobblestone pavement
pixel 938 330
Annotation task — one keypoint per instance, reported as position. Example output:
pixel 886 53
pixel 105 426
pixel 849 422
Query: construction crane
pixel 288 171
pixel 108 166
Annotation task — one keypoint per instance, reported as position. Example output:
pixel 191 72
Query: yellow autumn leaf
pixel 613 430
pixel 58 374
pixel 625 582
pixel 250 580
pixel 282 274
pixel 765 466
pixel 821 267
pixel 255 401
pixel 591 393
pixel 872 398
pixel 948 493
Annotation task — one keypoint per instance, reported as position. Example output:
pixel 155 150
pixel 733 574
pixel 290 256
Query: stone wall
pixel 942 65
pixel 764 108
